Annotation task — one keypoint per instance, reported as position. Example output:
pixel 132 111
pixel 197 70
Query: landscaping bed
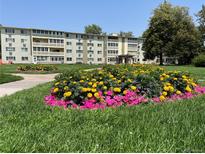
pixel 121 85
pixel 29 68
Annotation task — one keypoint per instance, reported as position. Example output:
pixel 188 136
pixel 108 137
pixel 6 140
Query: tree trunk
pixel 161 59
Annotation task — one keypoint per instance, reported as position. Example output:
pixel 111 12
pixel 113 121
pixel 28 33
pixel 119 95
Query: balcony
pixel 48 53
pixel 48 44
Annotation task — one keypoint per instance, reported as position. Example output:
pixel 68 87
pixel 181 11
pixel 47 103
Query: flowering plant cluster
pixel 118 85
pixel 37 67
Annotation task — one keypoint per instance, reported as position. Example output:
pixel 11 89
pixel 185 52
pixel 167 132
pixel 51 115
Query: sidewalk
pixel 29 81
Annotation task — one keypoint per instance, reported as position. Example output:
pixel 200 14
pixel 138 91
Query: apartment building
pixel 24 45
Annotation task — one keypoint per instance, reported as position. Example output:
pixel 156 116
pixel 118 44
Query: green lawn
pixel 27 125
pixel 12 68
pixel 5 78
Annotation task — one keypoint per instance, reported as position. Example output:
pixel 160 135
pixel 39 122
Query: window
pixel 10 44
pixel 23 40
pixel 10 40
pixel 113 44
pixel 24 45
pixel 99 52
pixel 99 45
pixel 23 31
pixel 9 30
pixel 79 51
pixel 69 58
pixel 69 51
pixel 68 35
pixel 91 51
pixel 90 59
pixel 90 44
pixel 78 43
pixel 10 49
pixel 24 58
pixel 132 45
pixel 79 59
pixel 111 52
pixel 111 59
pixel 24 49
pixel 99 59
pixel 69 43
pixel 11 58
pixel 40 49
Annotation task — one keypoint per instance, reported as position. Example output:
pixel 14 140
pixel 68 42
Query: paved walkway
pixel 29 81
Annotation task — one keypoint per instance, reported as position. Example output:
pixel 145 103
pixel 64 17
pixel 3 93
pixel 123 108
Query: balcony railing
pixel 48 53
pixel 48 44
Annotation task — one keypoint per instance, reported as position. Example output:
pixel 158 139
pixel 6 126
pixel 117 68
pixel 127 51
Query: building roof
pixel 70 32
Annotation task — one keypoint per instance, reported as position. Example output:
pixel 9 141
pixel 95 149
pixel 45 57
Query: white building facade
pixel 23 45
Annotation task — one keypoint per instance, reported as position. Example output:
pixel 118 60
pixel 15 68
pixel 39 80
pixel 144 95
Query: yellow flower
pixel 81 81
pixel 171 89
pixel 90 83
pixel 166 88
pixel 175 79
pixel 88 89
pixel 164 93
pixel 193 84
pixel 64 81
pixel 55 90
pixel 89 95
pixel 133 87
pixel 125 92
pixel 66 88
pixel 104 87
pixel 168 84
pixel 93 90
pixel 117 89
pixel 57 83
pixel 96 95
pixel 178 92
pixel 74 82
pixel 162 98
pixel 94 85
pixel 188 89
pixel 167 76
pixel 84 89
pixel 119 81
pixel 101 83
pixel 67 94
pixel 184 76
pixel 161 78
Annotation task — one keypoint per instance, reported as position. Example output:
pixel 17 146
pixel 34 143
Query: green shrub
pixel 37 67
pixel 199 61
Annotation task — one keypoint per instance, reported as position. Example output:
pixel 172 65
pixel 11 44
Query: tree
pixel 93 29
pixel 171 32
pixel 201 19
pixel 126 34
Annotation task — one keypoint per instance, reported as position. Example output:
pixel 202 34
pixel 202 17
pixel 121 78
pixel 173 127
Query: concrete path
pixel 29 81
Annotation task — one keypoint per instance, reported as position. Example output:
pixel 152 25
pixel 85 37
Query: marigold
pixel 90 83
pixel 93 90
pixel 89 95
pixel 178 92
pixel 117 89
pixel 133 87
pixel 188 89
pixel 104 87
pixel 162 98
pixel 67 94
pixel 55 90
pixel 166 88
pixel 164 93
pixel 96 95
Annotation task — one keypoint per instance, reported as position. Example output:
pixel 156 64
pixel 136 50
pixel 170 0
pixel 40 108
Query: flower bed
pixel 36 68
pixel 118 85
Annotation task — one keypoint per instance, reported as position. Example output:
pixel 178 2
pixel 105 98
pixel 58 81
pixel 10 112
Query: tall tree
pixel 171 32
pixel 93 29
pixel 201 19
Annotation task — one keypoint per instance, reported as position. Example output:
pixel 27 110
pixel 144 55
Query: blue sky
pixel 73 15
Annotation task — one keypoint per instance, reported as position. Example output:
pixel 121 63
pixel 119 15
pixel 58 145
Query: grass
pixel 5 78
pixel 12 68
pixel 27 125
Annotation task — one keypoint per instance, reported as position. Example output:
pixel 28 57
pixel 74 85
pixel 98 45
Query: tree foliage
pixel 201 19
pixel 171 32
pixel 93 29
